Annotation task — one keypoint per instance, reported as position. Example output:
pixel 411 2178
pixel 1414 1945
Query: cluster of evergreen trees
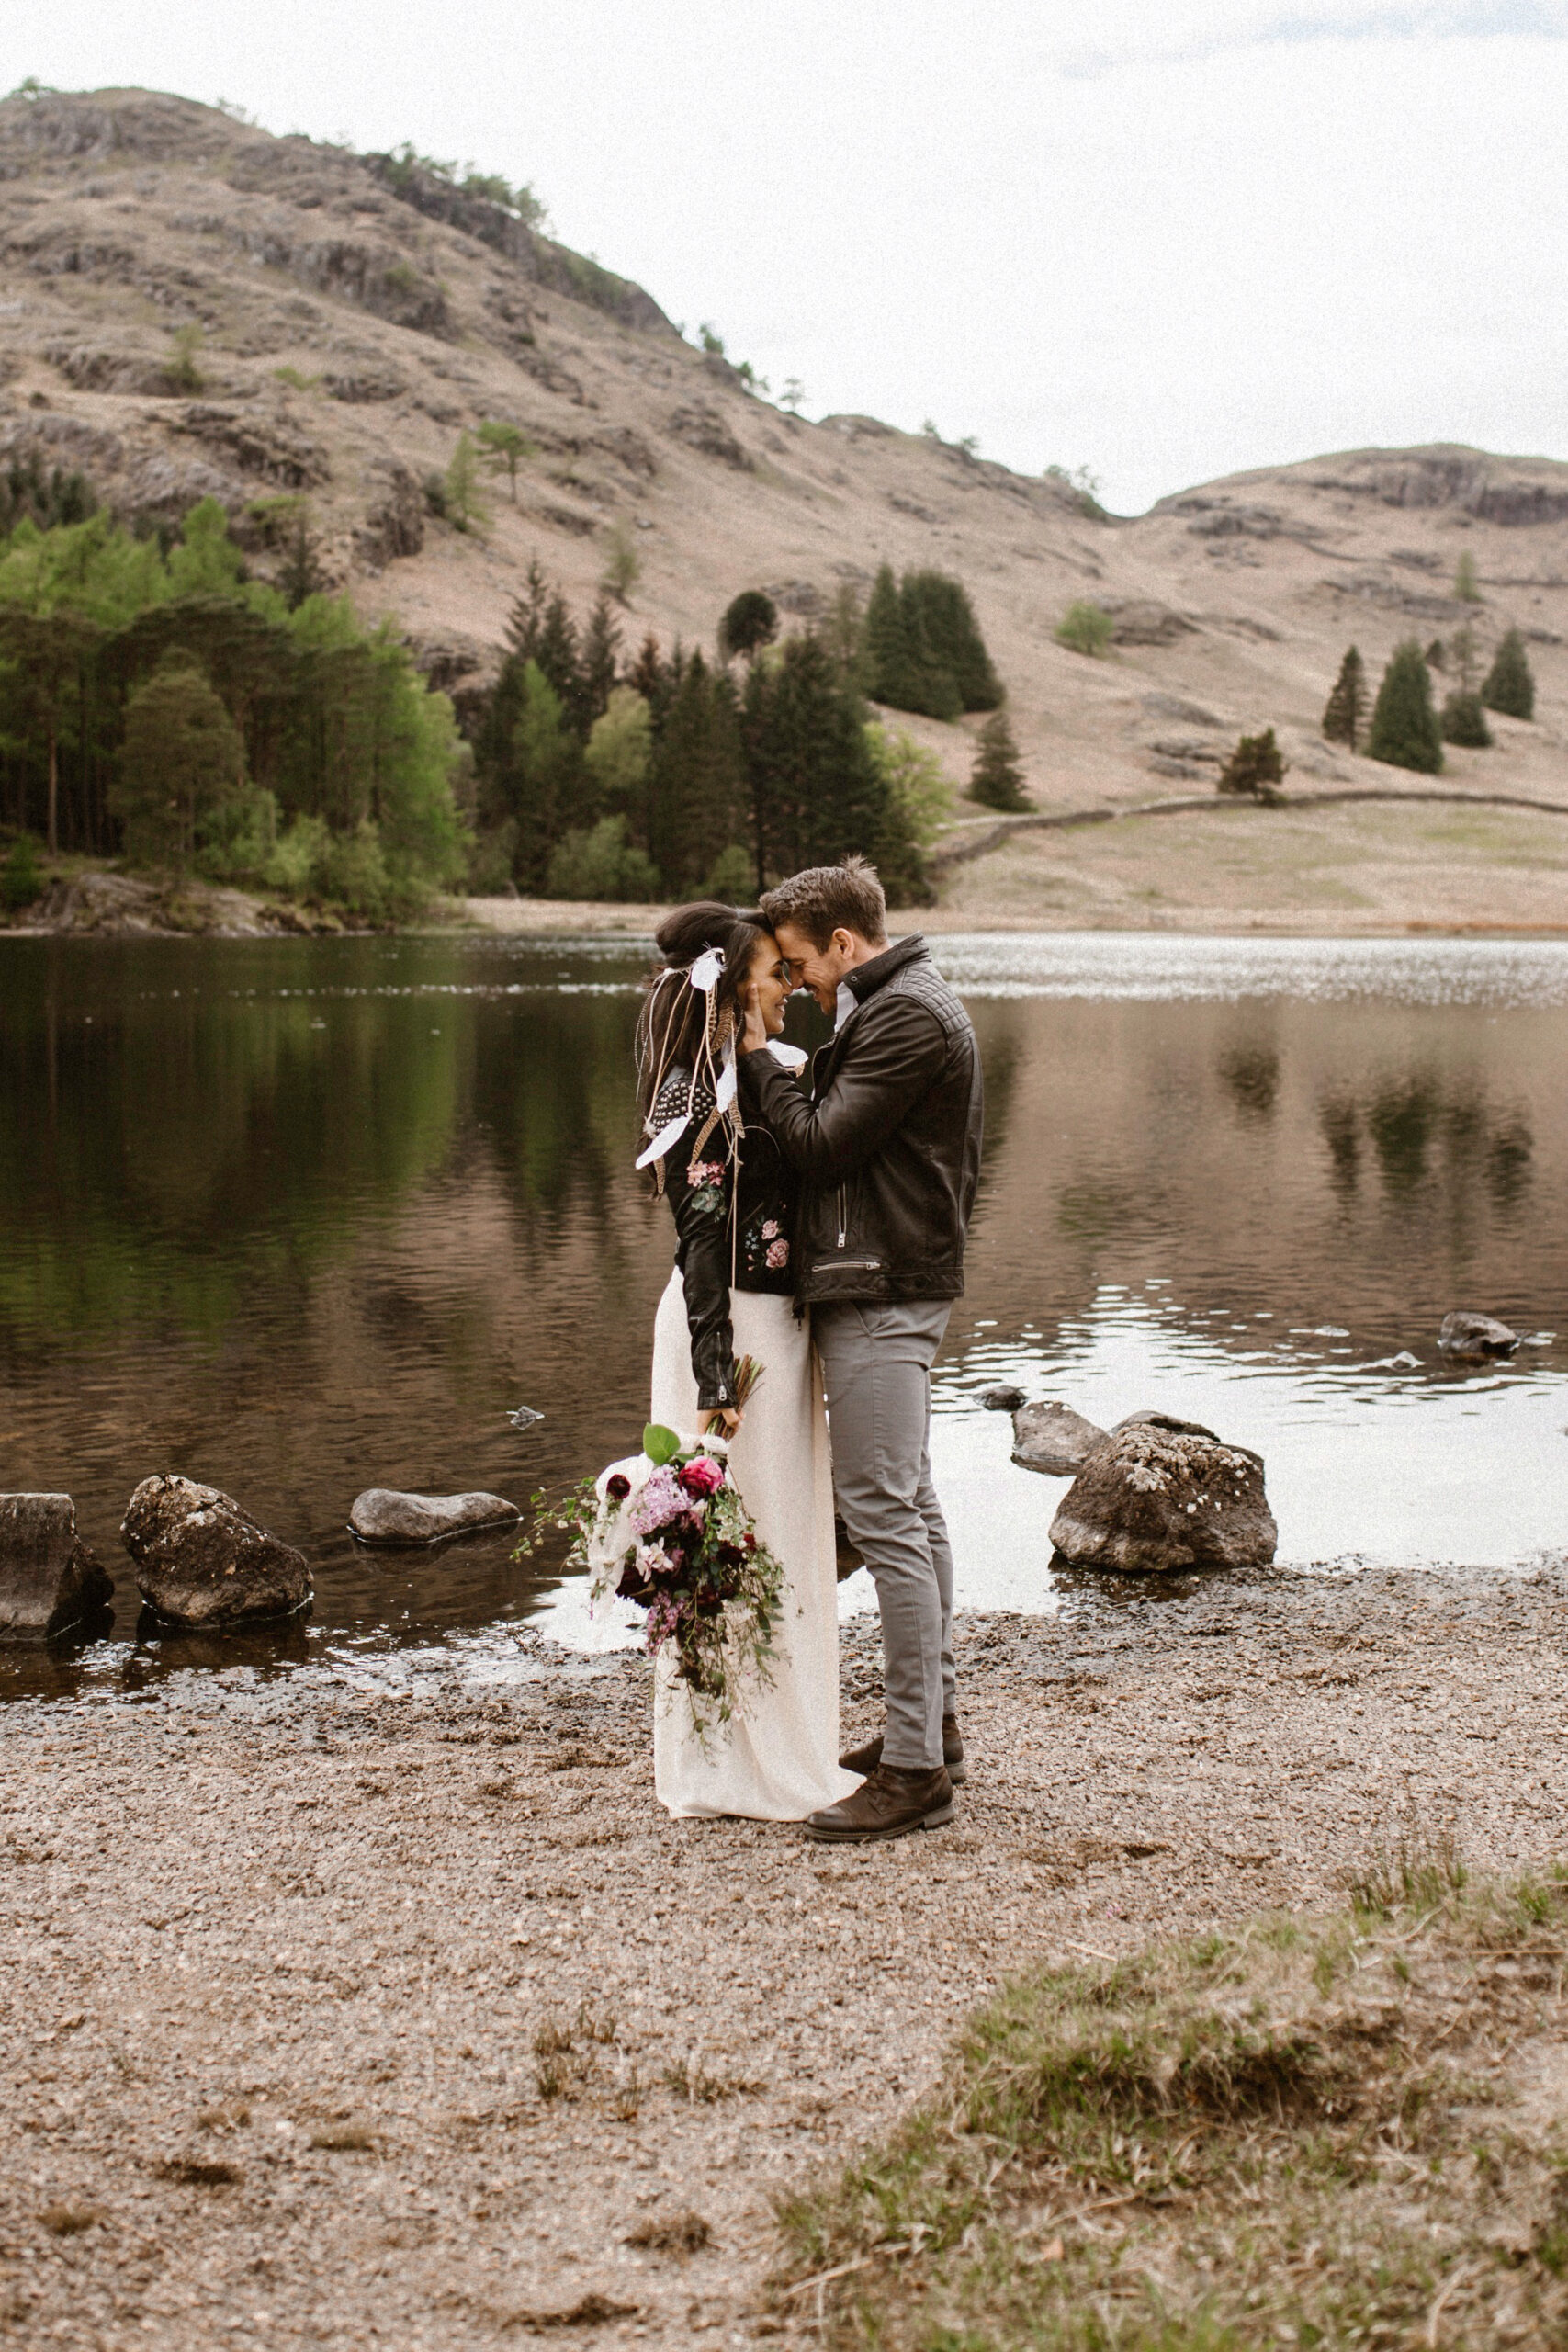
pixel 1408 730
pixel 154 701
pixel 675 774
pixel 922 650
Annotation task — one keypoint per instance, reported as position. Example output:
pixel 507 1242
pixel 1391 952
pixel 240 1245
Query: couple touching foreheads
pixel 820 1231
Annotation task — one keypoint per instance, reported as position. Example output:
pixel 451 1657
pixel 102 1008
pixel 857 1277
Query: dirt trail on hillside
pixel 402 2019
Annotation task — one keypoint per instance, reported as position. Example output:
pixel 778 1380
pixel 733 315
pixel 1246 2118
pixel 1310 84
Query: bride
pixel 729 1295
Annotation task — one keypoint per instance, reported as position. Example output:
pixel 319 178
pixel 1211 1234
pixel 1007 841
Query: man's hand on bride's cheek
pixel 754 1035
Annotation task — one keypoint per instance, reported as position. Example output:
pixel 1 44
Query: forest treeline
pixel 158 704
pixel 669 772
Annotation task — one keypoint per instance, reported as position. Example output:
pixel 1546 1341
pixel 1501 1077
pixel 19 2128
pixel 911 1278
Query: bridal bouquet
pixel 667 1529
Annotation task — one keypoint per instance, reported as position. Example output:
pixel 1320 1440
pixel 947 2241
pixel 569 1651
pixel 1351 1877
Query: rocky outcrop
pixel 1466 1337
pixel 119 906
pixel 49 1578
pixel 202 1561
pixel 1053 1438
pixel 1161 1494
pixel 394 517
pixel 386 1515
pixel 702 428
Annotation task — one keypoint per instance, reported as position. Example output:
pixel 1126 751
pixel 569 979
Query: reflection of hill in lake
pixel 305 1216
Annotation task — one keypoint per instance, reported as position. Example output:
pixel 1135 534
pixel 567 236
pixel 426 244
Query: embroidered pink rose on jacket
pixel 778 1252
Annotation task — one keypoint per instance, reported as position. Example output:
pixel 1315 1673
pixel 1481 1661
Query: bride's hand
pixel 754 1035
pixel 725 1419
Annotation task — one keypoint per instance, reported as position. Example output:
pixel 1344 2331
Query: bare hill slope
pixel 355 312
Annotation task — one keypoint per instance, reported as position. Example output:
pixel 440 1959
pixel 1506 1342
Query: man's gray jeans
pixel 877 1364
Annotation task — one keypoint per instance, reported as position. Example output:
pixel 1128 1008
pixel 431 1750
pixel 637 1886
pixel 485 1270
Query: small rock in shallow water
pixel 49 1580
pixel 200 1560
pixel 1161 1495
pixel 523 1417
pixel 1001 1400
pixel 383 1515
pixel 1472 1338
pixel 1053 1438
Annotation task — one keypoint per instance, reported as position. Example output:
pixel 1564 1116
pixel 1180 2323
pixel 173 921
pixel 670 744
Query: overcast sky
pixel 1165 239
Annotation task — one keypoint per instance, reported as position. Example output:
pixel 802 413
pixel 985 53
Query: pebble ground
pixel 341 2019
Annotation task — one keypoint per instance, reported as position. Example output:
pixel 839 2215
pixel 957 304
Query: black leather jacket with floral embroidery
pixel 733 1229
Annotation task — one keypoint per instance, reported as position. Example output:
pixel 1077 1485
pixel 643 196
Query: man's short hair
pixel 827 899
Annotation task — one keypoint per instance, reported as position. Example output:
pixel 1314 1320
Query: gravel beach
pixel 339 2017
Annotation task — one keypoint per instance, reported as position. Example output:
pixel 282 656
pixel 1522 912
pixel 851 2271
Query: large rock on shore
pixel 386 1515
pixel 1053 1438
pixel 49 1578
pixel 200 1560
pixel 1160 1494
pixel 1475 1338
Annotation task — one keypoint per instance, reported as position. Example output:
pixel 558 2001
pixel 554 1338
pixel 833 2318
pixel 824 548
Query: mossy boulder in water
pixel 49 1580
pixel 202 1561
pixel 1161 1494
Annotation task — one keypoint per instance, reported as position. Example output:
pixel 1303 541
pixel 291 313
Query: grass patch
pixel 1313 2134
pixel 68 2220
pixel 343 2136
pixel 672 2233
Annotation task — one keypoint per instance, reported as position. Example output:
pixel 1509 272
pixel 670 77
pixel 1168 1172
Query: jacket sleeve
pixel 897 1050
pixel 703 1255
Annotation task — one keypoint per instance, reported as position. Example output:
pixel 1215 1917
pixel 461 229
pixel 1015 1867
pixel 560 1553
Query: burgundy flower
pixel 618 1487
pixel 703 1477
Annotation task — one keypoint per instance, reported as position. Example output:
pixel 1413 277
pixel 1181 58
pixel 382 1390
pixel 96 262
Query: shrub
pixel 1255 767
pixel 464 503
pixel 916 782
pixel 997 780
pixel 1347 705
pixel 179 371
pixel 294 864
pixel 1464 721
pixel 1510 687
pixel 600 862
pixel 1084 627
pixel 623 565
pixel 750 622
pixel 1467 588
pixel 21 876
pixel 732 877
pixel 1405 725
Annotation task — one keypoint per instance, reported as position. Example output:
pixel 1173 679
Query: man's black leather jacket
pixel 889 1148
pixel 734 1228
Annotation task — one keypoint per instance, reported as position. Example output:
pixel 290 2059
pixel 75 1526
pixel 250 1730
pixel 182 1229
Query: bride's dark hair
pixel 674 1024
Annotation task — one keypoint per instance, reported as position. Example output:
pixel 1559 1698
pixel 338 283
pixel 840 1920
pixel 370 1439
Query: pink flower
pixel 703 1477
pixel 660 1501
pixel 778 1253
pixel 706 1171
pixel 770 1230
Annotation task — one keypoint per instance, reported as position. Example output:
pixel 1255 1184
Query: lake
pixel 298 1217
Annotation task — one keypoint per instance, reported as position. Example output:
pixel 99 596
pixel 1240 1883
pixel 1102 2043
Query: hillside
pixel 354 313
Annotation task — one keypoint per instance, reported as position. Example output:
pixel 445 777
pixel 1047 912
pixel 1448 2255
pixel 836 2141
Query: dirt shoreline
pixel 295 1967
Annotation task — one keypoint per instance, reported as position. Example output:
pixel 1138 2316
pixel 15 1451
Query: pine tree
pixel 1464 721
pixel 1510 687
pixel 1467 588
pixel 1255 767
pixel 1405 726
pixel 817 790
pixel 903 670
pixel 698 801
pixel 180 757
pixel 1347 705
pixel 997 779
pixel 601 652
pixel 952 634
pixel 464 500
pixel 546 778
pixel 505 446
pixel 751 621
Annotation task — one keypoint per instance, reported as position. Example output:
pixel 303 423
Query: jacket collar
pixel 866 978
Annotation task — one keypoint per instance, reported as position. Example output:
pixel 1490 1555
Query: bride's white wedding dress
pixel 776 1760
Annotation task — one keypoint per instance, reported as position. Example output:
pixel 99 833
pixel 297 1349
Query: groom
pixel 888 1149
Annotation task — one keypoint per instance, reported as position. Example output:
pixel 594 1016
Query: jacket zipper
pixel 843 1216
pixel 847 1265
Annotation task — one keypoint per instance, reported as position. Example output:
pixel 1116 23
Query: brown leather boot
pixel 889 1804
pixel 865 1760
